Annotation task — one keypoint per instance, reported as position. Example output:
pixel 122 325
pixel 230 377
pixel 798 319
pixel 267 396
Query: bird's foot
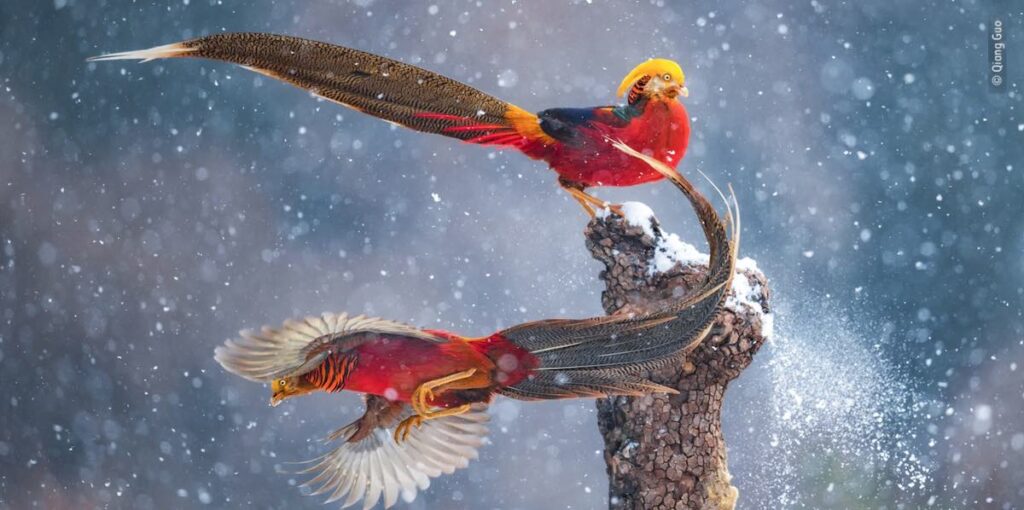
pixel 593 205
pixel 423 398
pixel 615 209
pixel 403 429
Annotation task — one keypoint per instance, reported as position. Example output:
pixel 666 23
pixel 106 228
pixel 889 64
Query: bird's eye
pixel 667 77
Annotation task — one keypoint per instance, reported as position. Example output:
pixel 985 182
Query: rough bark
pixel 667 451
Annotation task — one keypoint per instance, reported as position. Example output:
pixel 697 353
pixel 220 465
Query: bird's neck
pixel 332 373
pixel 632 110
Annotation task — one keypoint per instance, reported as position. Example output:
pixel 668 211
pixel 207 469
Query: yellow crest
pixel 653 67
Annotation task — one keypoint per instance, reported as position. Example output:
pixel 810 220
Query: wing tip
pixel 174 50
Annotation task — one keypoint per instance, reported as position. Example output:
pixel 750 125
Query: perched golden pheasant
pixel 573 141
pixel 427 390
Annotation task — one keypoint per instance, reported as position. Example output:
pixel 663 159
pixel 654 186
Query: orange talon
pixel 403 429
pixel 616 209
pixel 590 203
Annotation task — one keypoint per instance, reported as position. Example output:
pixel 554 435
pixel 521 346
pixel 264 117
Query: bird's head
pixel 658 77
pixel 286 387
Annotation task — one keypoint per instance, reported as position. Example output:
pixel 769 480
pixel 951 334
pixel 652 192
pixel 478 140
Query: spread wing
pixel 299 345
pixel 391 90
pixel 371 466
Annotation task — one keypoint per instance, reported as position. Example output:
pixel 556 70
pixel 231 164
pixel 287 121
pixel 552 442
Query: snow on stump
pixel 667 451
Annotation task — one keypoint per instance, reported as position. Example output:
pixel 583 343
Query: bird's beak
pixel 276 399
pixel 673 90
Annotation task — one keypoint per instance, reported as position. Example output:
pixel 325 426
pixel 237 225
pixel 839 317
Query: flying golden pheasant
pixel 427 391
pixel 573 141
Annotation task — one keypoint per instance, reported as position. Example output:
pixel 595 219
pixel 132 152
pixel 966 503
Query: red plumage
pixel 661 130
pixel 394 366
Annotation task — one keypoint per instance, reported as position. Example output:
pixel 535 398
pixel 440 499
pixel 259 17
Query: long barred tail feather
pixel 583 383
pixel 174 50
pixel 397 92
pixel 596 356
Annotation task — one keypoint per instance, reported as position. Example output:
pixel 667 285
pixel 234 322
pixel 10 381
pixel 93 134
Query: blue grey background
pixel 149 211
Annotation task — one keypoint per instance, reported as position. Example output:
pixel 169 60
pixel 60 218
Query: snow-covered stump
pixel 667 451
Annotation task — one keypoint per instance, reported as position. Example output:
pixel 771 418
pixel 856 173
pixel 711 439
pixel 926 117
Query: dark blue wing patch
pixel 563 124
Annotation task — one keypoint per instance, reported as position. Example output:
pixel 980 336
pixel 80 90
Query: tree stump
pixel 667 451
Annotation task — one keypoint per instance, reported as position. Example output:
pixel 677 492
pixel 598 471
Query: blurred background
pixel 149 211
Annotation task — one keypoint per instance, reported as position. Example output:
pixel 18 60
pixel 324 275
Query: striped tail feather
pixel 582 384
pixel 598 356
pixel 388 89
pixel 175 50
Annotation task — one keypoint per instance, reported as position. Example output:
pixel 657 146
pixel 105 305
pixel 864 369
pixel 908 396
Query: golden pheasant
pixel 573 141
pixel 427 391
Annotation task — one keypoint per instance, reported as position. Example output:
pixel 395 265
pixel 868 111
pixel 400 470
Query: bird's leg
pixel 403 429
pixel 599 204
pixel 452 411
pixel 589 202
pixel 578 195
pixel 425 393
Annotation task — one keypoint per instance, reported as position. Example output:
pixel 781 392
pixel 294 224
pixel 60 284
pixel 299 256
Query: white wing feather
pixel 377 467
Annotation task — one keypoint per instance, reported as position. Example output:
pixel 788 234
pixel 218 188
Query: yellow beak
pixel 674 90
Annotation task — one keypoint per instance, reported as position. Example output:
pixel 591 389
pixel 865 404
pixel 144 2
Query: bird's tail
pixel 388 89
pixel 603 355
pixel 176 50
